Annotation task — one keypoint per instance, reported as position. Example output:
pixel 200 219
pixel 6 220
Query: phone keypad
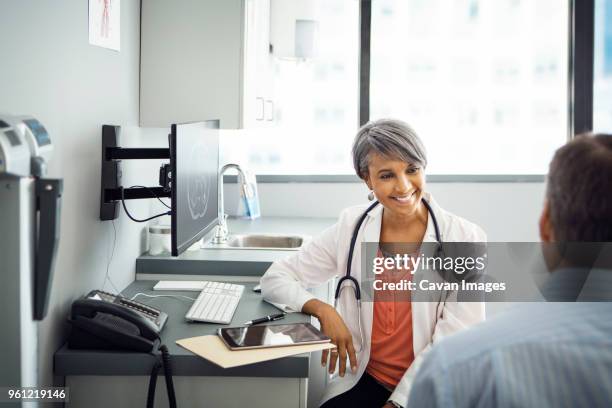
pixel 147 311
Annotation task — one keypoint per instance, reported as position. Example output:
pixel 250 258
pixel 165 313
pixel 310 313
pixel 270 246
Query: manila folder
pixel 213 349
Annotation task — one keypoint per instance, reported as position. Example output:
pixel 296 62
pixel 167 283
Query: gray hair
pixel 390 138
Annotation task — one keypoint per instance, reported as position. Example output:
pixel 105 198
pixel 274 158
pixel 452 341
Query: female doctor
pixel 383 342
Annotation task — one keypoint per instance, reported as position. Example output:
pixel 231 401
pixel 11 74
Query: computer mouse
pixel 257 288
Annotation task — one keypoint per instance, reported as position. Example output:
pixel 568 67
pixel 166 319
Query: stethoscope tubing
pixel 355 284
pixel 347 276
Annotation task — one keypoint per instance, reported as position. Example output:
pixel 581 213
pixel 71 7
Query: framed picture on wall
pixel 105 23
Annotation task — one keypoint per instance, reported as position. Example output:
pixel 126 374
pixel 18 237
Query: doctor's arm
pixel 335 328
pixel 287 281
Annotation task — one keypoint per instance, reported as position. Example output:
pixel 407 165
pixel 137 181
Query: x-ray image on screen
pixel 200 181
pixel 194 154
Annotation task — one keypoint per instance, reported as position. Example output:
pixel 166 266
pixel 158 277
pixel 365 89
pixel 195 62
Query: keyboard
pixel 216 303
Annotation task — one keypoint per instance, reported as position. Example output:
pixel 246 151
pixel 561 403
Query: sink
pixel 265 241
pixel 261 241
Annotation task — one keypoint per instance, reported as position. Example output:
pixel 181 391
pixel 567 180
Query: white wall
pixel 506 211
pixel 50 71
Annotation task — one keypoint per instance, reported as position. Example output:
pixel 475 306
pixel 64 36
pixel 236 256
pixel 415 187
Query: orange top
pixel 391 350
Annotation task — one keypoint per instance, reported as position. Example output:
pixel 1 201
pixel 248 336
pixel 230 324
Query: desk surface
pixel 86 362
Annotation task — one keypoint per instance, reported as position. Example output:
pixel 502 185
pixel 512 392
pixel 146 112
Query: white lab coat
pixel 325 257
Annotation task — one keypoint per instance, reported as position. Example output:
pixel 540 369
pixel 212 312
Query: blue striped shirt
pixel 532 355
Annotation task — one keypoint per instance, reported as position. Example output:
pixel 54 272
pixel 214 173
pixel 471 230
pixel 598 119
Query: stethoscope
pixel 352 281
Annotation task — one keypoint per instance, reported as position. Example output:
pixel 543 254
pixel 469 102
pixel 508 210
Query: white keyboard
pixel 216 303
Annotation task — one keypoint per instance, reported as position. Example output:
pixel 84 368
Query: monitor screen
pixel 194 160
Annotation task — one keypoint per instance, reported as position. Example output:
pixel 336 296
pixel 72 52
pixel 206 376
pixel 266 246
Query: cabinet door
pixel 258 63
pixel 191 62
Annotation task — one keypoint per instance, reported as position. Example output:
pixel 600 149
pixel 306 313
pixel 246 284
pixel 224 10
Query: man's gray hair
pixel 390 138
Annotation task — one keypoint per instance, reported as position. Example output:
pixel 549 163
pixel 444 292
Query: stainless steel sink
pixel 261 241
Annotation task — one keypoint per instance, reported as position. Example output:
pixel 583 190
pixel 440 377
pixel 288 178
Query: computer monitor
pixel 194 161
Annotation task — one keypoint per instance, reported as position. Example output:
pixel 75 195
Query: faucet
pixel 221 233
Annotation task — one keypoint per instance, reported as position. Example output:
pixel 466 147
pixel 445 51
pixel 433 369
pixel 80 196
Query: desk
pixel 120 379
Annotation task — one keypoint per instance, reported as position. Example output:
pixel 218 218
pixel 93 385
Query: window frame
pixel 582 26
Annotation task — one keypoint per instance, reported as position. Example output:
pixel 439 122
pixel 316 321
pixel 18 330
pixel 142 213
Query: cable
pixel 135 219
pixel 153 383
pixel 157 296
pixel 106 277
pixel 153 194
pixel 166 364
pixel 168 375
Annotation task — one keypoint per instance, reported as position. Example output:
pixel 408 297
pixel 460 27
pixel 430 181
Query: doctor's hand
pixel 333 326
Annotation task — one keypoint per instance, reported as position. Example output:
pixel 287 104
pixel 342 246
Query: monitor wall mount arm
pixel 110 173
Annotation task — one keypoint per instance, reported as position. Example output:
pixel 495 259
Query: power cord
pixel 135 219
pixel 110 260
pixel 158 296
pixel 153 194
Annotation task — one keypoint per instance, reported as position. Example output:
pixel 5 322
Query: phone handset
pixel 146 327
pixel 116 328
pixel 105 321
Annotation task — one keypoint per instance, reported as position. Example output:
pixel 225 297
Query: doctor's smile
pixel 404 199
pixel 384 341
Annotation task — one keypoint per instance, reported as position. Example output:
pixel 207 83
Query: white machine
pixel 29 235
pixel 25 146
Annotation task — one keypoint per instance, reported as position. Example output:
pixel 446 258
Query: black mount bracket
pixel 110 174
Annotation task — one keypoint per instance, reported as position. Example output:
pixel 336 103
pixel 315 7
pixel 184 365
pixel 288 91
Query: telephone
pixel 104 321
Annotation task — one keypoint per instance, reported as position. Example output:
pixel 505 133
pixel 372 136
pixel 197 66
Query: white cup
pixel 159 239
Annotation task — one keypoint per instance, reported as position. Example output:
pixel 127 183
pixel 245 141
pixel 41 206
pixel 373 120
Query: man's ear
pixel 546 230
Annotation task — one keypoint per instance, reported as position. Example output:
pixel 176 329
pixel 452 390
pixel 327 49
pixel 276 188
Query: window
pixel 484 83
pixel 602 69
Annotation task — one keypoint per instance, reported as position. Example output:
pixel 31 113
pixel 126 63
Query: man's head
pixel 578 205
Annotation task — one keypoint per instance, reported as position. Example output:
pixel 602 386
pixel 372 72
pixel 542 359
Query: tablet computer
pixel 273 335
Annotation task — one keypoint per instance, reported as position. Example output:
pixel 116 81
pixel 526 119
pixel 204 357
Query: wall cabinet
pixel 259 107
pixel 206 59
